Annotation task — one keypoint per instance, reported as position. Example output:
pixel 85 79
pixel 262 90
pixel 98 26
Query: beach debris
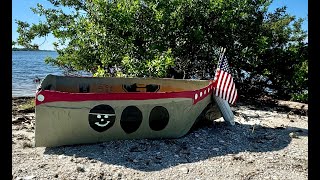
pixel 293 135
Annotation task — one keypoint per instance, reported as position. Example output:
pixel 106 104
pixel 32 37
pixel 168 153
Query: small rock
pixel 42 165
pixel 56 175
pixel 270 158
pixel 100 175
pixel 221 141
pixel 29 177
pixel 199 148
pixel 293 135
pixel 184 170
pixel 176 155
pixel 119 174
pixel 135 161
pixel 238 158
pixel 80 169
pixel 26 144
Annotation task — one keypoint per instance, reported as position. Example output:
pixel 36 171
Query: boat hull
pixel 77 110
pixel 64 123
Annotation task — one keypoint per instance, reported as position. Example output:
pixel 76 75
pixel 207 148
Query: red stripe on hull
pixel 46 96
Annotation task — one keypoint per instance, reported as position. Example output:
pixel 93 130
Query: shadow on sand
pixel 203 142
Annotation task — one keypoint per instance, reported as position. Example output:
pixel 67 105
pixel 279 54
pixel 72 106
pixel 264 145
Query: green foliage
pixel 155 67
pixel 179 38
pixel 301 97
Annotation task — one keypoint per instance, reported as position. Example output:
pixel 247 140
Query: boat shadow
pixel 203 142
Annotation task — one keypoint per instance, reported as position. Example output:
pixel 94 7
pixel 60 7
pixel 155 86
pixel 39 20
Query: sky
pixel 21 11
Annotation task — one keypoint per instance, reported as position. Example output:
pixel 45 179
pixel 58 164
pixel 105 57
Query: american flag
pixel 224 86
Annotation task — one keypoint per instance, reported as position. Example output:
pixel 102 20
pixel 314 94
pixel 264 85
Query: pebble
pixel 270 158
pixel 29 177
pixel 293 135
pixel 42 165
pixel 184 170
pixel 80 169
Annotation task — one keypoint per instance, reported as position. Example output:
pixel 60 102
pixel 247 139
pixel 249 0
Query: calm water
pixel 26 66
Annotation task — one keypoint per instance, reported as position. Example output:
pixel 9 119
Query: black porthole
pixel 131 119
pixel 159 118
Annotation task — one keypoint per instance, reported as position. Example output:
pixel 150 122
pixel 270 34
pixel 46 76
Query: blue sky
pixel 21 11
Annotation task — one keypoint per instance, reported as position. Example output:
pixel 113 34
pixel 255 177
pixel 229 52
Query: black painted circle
pixel 131 119
pixel 101 117
pixel 159 118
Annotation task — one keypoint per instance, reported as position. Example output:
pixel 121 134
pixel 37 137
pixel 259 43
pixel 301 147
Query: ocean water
pixel 28 65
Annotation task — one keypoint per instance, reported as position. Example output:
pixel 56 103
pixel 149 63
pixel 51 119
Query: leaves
pixel 178 38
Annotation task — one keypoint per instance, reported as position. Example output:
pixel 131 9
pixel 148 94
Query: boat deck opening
pixel 119 85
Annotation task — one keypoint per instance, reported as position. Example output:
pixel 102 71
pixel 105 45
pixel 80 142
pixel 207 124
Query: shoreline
pixel 22 97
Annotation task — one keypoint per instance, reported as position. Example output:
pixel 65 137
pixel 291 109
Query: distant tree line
pixel 30 48
pixel 267 51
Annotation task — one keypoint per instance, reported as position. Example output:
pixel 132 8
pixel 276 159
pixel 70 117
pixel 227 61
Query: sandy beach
pixel 269 141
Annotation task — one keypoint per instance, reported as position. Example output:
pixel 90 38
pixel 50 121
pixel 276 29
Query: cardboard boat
pixel 81 110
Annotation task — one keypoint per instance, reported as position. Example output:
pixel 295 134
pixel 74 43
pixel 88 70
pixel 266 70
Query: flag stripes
pixel 224 86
